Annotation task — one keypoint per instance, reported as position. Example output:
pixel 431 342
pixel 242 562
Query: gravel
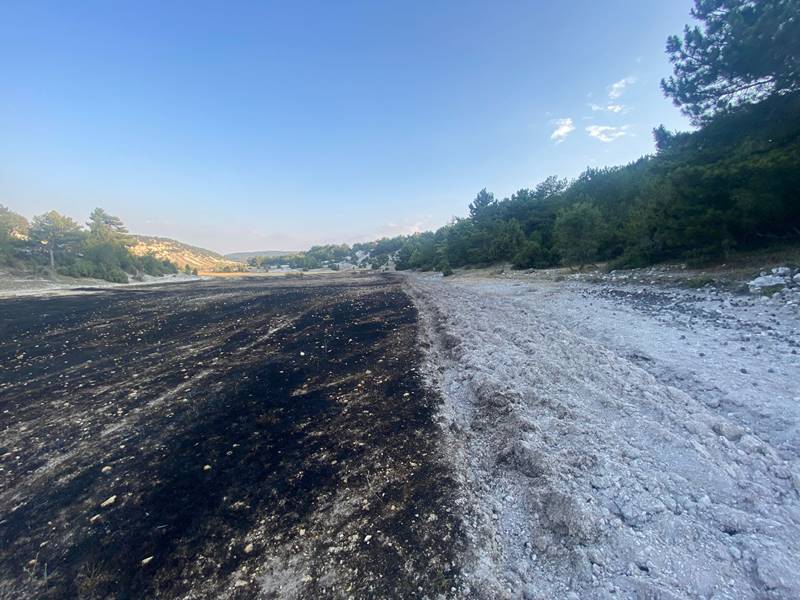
pixel 619 441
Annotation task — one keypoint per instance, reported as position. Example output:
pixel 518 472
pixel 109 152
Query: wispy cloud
pixel 563 128
pixel 607 133
pixel 616 89
pixel 615 92
pixel 612 108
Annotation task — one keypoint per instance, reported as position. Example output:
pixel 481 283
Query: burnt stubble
pixel 243 438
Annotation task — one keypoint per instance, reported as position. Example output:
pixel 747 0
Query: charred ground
pixel 258 439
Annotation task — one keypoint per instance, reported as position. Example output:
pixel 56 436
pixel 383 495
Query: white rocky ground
pixel 12 285
pixel 619 440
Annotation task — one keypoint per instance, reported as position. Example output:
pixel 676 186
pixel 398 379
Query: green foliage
pixel 577 232
pixel 698 282
pixel 155 266
pixel 102 224
pixel 59 242
pixel 771 289
pixel 746 52
pixel 13 229
pixel 482 206
pixel 12 223
pixel 238 268
pixel 533 254
pixel 55 236
pixel 87 268
pixel 315 257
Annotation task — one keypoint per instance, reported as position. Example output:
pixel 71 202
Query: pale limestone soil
pixel 619 442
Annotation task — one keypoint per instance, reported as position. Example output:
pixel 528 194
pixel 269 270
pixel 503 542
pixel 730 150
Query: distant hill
pixel 245 256
pixel 182 254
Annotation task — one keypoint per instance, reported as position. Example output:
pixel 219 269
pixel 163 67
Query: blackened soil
pixel 258 438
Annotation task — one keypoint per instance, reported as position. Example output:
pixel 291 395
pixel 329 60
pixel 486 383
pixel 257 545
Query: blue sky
pixel 250 126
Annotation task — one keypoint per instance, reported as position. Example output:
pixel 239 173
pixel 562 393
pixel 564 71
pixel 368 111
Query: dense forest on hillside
pixel 734 183
pixel 53 242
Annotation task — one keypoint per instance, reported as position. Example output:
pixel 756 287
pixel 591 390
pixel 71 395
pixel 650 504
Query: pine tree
pixel 746 52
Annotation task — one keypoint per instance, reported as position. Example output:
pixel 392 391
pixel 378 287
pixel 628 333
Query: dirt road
pixel 619 441
pixel 232 439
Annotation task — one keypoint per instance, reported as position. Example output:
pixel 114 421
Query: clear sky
pixel 258 125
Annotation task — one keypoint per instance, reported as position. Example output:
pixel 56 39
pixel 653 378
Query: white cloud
pixel 607 133
pixel 615 92
pixel 616 89
pixel 563 128
pixel 612 108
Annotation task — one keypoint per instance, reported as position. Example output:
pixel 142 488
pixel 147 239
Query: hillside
pixel 245 256
pixel 182 254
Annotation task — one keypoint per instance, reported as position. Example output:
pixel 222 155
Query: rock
pixel 757 284
pixel 782 271
pixel 206 467
pixel 367 538
pixel 728 430
pixel 751 444
pixel 776 572
pixel 449 341
pixel 569 516
pixel 108 502
pixel 146 561
pixel 521 457
pixel 106 470
pixel 248 548
pixel 796 278
pixel 796 480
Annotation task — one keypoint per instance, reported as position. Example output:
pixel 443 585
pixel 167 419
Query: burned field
pixel 235 439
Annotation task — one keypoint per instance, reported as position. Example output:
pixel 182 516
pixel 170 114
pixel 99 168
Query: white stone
pixel 765 281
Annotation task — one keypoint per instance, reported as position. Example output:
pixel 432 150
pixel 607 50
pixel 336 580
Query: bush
pixel 577 233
